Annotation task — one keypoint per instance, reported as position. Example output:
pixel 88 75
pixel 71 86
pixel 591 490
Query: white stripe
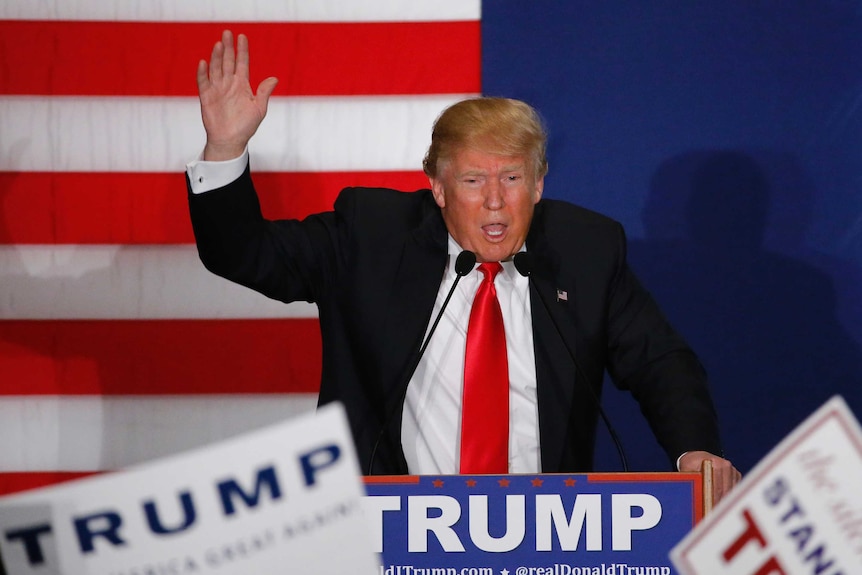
pixel 242 11
pixel 91 433
pixel 124 282
pixel 119 134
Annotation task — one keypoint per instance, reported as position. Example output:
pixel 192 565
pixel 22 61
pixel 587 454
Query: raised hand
pixel 231 112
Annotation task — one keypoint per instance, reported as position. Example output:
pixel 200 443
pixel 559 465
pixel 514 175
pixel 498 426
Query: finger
pixel 720 487
pixel 264 91
pixel 726 481
pixel 229 56
pixel 216 62
pixel 202 76
pixel 717 486
pixel 242 66
pixel 729 478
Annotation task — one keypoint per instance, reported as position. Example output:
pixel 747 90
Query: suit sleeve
pixel 287 260
pixel 650 359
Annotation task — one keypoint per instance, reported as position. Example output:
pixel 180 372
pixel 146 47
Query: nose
pixel 494 195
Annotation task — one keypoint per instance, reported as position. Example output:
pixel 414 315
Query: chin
pixel 495 255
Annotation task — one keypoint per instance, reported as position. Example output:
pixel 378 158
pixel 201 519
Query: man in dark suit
pixel 382 264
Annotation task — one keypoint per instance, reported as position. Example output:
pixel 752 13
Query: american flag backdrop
pixel 116 346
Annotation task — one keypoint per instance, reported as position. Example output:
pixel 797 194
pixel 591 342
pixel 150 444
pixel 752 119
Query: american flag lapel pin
pixel 562 295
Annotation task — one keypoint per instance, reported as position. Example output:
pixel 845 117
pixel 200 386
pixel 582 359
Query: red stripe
pixel 392 479
pixel 656 476
pixel 145 357
pixel 19 481
pixel 147 58
pixel 147 208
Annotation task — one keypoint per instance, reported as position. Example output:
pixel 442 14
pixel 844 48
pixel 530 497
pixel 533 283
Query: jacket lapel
pixel 554 340
pixel 411 296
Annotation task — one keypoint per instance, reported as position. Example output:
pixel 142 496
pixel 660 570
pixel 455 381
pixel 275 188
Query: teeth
pixel 494 230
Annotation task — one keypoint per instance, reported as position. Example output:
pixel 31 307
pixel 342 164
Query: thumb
pixel 265 89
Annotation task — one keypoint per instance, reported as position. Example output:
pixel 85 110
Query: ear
pixel 437 190
pixel 540 187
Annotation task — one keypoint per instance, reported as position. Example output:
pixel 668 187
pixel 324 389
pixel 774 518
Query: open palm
pixel 231 111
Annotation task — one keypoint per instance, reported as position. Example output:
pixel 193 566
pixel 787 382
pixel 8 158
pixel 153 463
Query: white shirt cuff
pixel 206 176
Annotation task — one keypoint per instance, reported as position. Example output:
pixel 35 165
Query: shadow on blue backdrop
pixel 764 324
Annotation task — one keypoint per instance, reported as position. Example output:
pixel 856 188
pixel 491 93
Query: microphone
pixel 464 264
pixel 524 263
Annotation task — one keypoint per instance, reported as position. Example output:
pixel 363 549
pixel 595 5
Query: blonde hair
pixel 496 125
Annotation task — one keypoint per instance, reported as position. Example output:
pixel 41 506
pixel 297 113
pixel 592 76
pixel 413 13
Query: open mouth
pixel 494 231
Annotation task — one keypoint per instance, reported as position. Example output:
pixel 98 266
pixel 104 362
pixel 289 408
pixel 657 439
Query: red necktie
pixel 485 409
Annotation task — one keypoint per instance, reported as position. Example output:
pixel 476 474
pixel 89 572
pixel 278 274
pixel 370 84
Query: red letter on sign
pixel 752 532
pixel 771 567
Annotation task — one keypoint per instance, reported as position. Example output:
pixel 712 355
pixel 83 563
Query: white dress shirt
pixel 431 424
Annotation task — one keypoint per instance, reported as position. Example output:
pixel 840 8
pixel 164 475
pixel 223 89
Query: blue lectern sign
pixel 606 524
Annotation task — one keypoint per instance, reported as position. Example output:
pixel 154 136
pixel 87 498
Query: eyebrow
pixel 504 169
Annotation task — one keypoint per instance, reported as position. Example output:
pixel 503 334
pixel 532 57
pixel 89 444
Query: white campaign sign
pixel 285 499
pixel 799 511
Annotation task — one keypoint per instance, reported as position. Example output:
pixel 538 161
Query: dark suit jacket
pixel 374 265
